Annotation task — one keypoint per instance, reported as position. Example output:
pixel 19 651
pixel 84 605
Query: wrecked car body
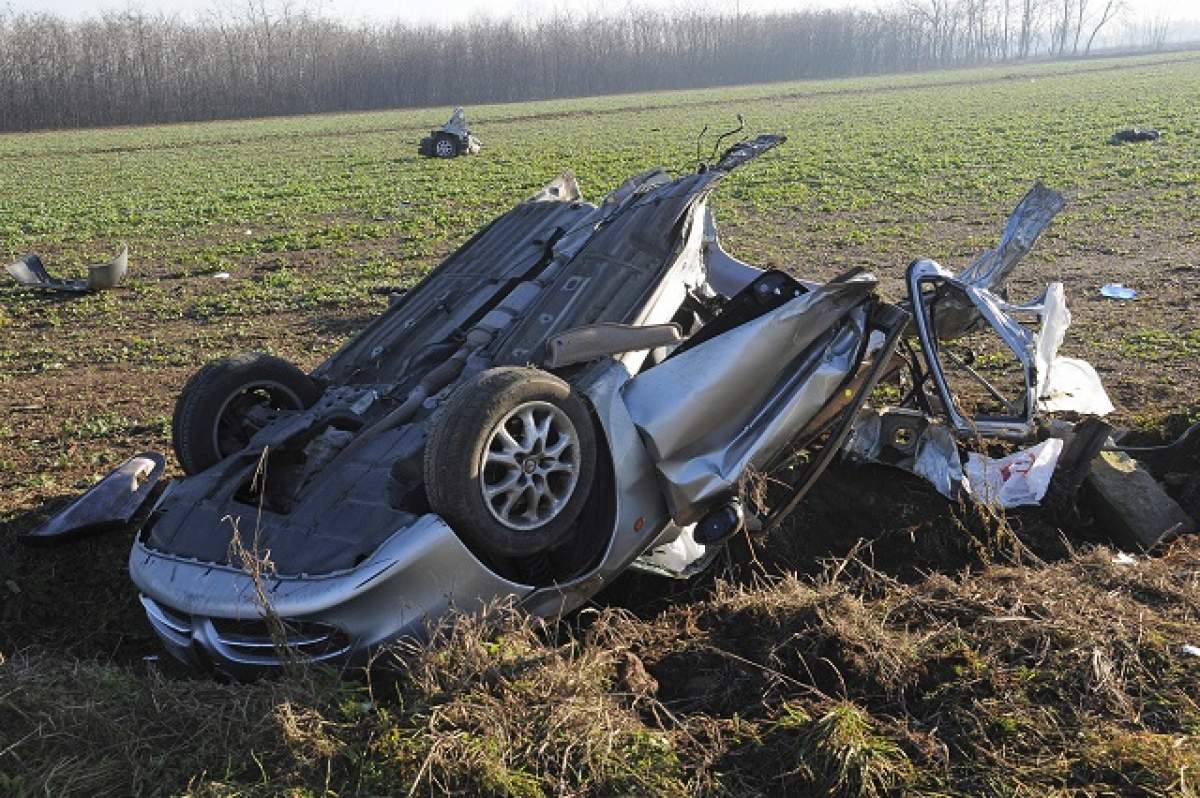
pixel 579 389
pixel 450 140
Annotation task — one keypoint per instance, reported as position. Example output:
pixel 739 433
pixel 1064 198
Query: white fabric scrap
pixel 1064 384
pixel 1074 386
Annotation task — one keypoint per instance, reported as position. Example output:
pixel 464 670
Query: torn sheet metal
pixel 457 123
pixel 910 440
pixel 742 407
pixel 957 303
pixel 1027 222
pixel 109 504
pixel 457 126
pixel 1053 383
pixel 30 271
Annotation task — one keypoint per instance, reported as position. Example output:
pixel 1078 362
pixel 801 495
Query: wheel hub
pixel 530 466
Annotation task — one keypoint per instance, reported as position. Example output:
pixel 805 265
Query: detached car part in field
pixel 578 390
pixel 450 140
pixel 29 271
pixel 112 503
pixel 1134 135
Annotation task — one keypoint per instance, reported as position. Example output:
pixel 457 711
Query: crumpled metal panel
pixel 748 391
pixel 457 124
pixel 956 306
pixel 909 440
pixel 1029 219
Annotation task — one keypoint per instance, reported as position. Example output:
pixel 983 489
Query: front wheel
pixel 227 401
pixel 509 461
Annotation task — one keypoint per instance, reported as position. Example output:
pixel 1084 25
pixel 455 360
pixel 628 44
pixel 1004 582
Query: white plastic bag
pixel 1019 479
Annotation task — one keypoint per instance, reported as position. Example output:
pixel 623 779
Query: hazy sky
pixel 424 11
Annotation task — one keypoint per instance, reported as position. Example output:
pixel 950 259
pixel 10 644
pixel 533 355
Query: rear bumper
pixel 210 616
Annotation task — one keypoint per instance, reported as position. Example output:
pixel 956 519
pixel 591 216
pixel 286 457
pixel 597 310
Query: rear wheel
pixel 445 146
pixel 227 401
pixel 510 460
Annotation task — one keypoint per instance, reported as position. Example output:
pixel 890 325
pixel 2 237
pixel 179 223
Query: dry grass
pixel 1062 679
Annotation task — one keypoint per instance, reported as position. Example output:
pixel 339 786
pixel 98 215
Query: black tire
pixel 204 426
pixel 445 146
pixel 468 426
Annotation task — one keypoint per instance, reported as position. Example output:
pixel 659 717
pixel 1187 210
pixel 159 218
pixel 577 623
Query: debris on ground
pixel 1117 291
pixel 109 504
pixel 30 271
pixel 1018 480
pixel 1134 134
pixel 1131 505
pixel 450 140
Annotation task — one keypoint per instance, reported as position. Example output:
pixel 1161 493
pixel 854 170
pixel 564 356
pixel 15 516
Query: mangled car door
pixel 732 402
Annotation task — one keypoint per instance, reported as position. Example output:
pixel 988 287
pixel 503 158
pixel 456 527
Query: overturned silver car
pixel 578 390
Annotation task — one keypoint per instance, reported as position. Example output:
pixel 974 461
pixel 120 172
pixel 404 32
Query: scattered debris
pixel 1131 505
pixel 30 271
pixel 450 140
pixel 1018 480
pixel 1117 291
pixel 1190 650
pixel 1124 558
pixel 1135 134
pixel 109 504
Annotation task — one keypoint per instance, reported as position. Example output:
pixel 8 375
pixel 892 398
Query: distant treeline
pixel 135 67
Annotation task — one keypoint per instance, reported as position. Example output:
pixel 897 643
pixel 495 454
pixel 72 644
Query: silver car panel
pixel 748 392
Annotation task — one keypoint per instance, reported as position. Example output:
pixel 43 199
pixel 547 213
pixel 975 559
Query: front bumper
pixel 210 616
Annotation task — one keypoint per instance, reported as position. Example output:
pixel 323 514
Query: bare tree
pixel 1031 12
pixel 1112 9
pixel 279 57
